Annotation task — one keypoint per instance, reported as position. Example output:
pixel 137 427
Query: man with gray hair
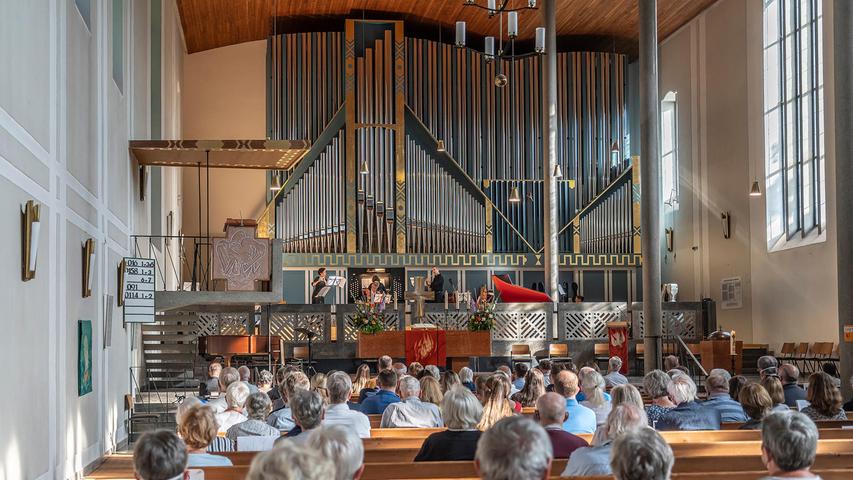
pixel 466 376
pixel 788 445
pixel 688 413
pixel 258 406
pixel 641 454
pixel 551 412
pixel 614 376
pixel 211 385
pixel 228 376
pixel 515 448
pixel 721 371
pixel 235 399
pixel 789 374
pixel 159 455
pixel 400 369
pixel 720 400
pixel 338 412
pixel 307 407
pixel 291 461
pixel 434 371
pixel 384 363
pixel 342 444
pixel 246 377
pixel 411 412
pixel 595 460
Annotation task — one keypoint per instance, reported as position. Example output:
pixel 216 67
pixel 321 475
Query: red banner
pixel 427 347
pixel 617 335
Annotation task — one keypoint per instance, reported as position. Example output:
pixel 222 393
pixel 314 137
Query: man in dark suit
pixel 211 385
pixel 437 285
pixel 789 375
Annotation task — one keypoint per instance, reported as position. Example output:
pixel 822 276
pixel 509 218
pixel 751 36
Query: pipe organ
pixel 381 185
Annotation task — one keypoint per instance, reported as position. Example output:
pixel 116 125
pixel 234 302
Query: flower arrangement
pixel 482 316
pixel 367 317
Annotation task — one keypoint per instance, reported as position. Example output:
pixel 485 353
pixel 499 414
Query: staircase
pixel 170 351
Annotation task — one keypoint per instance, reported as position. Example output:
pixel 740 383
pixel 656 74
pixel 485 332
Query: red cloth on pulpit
pixel 427 347
pixel 618 339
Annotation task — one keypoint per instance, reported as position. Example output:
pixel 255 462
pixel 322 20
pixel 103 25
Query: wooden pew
pixel 376 420
pixel 820 424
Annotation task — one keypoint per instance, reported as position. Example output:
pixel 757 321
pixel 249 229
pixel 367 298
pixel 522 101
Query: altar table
pixel 460 345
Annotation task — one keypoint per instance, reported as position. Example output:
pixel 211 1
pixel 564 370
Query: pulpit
pixel 722 354
pixel 460 345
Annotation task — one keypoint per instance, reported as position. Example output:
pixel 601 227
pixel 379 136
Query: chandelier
pixel 494 8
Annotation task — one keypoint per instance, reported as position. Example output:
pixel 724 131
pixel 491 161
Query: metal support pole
pixel 650 183
pixel 842 44
pixel 549 150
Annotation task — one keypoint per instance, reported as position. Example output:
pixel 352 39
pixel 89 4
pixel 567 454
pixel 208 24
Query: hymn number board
pixel 138 290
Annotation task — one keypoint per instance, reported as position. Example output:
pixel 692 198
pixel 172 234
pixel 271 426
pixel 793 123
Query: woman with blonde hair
pixel 318 384
pixel 197 427
pixel 449 380
pixel 496 405
pixel 592 387
pixel 504 377
pixel 534 387
pixel 362 378
pixel 431 390
pixel 774 388
pixel 626 394
pixel 824 398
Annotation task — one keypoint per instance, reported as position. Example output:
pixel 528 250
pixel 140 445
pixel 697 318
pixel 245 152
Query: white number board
pixel 138 290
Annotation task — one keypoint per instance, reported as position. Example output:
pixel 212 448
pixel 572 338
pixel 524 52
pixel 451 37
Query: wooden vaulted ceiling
pixel 580 23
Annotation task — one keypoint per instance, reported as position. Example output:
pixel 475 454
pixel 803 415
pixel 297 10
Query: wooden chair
pixel 520 352
pixel 134 418
pixel 602 354
pixel 559 352
pixel 800 354
pixel 786 353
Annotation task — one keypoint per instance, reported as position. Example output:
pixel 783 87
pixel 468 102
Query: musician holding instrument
pixel 317 285
pixel 435 283
pixel 376 286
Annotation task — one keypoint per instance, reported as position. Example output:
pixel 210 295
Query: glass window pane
pixel 792 200
pixel 775 220
pixel 771 22
pixel 771 77
pixel 666 130
pixel 772 145
pixel 808 195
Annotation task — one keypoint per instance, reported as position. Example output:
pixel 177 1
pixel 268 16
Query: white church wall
pixel 705 64
pixel 64 127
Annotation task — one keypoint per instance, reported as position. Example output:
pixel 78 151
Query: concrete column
pixel 842 45
pixel 650 198
pixel 549 150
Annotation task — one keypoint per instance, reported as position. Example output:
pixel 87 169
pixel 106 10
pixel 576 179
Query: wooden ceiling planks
pixel 216 23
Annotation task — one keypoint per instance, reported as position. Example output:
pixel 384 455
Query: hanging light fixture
pixel 755 191
pixel 365 169
pixel 440 146
pixel 276 183
pixel 540 40
pixel 460 34
pixel 614 154
pixel 558 171
pixel 514 196
pixel 489 49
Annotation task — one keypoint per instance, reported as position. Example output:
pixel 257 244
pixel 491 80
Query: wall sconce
pixel 727 224
pixel 30 233
pixel 142 180
pixel 88 266
pixel 120 270
pixel 670 240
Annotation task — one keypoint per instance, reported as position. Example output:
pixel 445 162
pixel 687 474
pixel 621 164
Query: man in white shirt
pixel 338 412
pixel 614 377
pixel 228 376
pixel 411 412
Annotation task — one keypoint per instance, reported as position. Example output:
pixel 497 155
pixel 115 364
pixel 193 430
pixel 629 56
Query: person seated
pixel 265 382
pixel 551 412
pixel 721 371
pixel 613 377
pixel 655 385
pixel 581 419
pixel 362 379
pixel 514 448
pixel 849 405
pixel 258 406
pixel 282 419
pixel 466 377
pixel 735 384
pixel 496 405
pixel 318 384
pixel 343 445
pixel 670 362
pixel 756 403
pixel 583 372
pixel 788 445
pixel 505 370
pixel 518 374
pixel 767 365
pixel 556 368
pixel 159 455
pixel 626 394
pixel 789 374
pixel 411 412
pixel 641 454
pixel 275 392
pixel 228 376
pixel 197 427
pixel 449 380
pixel 774 388
pixel 211 384
pixel 688 413
pixel 376 404
pixel 592 387
pixel 824 399
pixel 246 377
pixel 400 369
pixel 307 414
pixel 338 413
pixel 719 400
pixel 534 387
pixel 431 390
pixel 480 389
pixel 235 397
pixel 461 412
pixel 830 369
pixel 595 460
pixel 544 368
pixel 416 370
pixel 515 406
pixel 291 460
pixel 433 371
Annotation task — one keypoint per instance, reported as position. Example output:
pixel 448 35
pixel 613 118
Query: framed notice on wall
pixel 731 293
pixel 138 290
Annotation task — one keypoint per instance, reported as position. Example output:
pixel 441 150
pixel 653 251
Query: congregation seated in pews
pixel 554 421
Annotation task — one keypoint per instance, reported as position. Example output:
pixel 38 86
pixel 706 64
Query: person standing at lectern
pixel 318 284
pixel 436 284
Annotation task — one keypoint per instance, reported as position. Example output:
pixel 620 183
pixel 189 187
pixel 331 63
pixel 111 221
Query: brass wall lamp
pixel 30 233
pixel 88 266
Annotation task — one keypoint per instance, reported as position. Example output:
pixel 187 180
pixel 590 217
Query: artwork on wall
pixel 84 357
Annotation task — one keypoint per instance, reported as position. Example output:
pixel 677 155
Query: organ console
pixel 229 346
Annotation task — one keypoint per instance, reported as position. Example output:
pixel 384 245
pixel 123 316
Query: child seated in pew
pixel 159 455
pixel 198 429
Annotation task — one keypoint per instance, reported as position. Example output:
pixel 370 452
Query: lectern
pixel 720 354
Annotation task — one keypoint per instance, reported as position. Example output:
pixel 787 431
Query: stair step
pixel 173 348
pixel 169 357
pixel 168 337
pixel 153 327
